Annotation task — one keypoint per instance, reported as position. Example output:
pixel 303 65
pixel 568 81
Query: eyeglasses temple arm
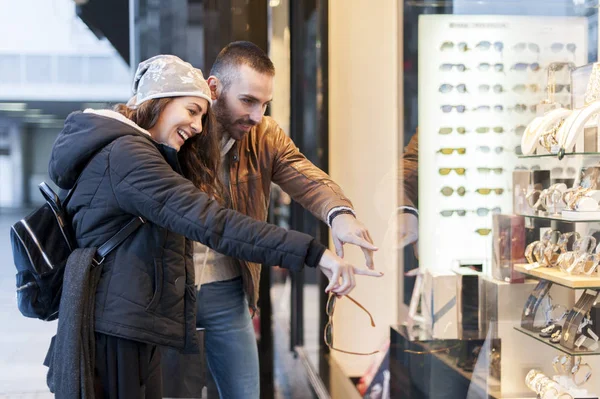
pixel 363 308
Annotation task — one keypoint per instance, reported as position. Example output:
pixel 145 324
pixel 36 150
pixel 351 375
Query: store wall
pixel 363 141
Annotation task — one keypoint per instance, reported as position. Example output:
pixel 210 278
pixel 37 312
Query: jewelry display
pixel 575 318
pixel 547 126
pixel 558 198
pixel 535 199
pixel 553 200
pixel 532 304
pixel 532 248
pixel 580 372
pixel 574 125
pixel 544 386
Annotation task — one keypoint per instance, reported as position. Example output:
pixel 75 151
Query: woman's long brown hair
pixel 200 156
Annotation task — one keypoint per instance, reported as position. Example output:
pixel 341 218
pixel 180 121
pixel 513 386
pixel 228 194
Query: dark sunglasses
pixel 450 212
pixel 328 333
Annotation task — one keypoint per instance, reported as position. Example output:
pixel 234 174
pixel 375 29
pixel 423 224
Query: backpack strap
pixel 118 238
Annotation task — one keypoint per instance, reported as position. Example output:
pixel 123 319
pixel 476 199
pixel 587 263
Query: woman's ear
pixel 214 85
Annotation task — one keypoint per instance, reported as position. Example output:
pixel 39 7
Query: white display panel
pixel 511 48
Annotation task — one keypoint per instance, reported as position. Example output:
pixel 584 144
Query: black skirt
pixel 127 369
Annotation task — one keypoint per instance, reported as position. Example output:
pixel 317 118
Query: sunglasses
pixel 556 47
pixel 448 130
pixel 486 191
pixel 521 108
pixel 448 151
pixel 461 46
pixel 483 232
pixel 328 333
pixel 522 66
pixel 485 129
pixel 446 171
pixel 498 150
pixel 485 211
pixel 485 66
pixel 448 108
pixel 447 88
pixel 450 212
pixel 519 47
pixel 486 149
pixel 485 88
pixel 488 170
pixel 486 45
pixel 448 191
pixel 449 67
pixel 522 88
pixel 487 108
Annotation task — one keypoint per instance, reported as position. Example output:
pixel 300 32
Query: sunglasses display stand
pixel 479 82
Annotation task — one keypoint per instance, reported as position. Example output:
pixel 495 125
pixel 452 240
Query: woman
pixel 157 158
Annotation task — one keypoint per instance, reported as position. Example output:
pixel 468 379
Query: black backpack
pixel 41 244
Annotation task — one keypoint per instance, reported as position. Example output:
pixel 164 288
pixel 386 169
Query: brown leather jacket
pixel 267 155
pixel 410 172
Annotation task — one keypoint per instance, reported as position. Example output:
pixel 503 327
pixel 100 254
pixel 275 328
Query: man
pixel 255 152
pixel 408 222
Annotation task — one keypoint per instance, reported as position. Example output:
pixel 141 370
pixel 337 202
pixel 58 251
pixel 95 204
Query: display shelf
pixel 559 277
pixel 559 218
pixel 567 155
pixel 493 389
pixel 422 343
pixel 558 347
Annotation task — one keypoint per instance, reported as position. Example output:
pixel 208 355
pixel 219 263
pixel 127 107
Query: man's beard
pixel 225 121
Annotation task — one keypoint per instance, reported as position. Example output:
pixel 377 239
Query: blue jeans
pixel 230 342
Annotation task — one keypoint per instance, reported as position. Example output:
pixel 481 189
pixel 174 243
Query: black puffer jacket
pixel 146 291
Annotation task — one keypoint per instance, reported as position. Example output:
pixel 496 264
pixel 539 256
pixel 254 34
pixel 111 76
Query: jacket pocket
pixel 158 285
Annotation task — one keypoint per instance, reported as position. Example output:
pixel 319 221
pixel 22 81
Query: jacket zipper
pixel 233 204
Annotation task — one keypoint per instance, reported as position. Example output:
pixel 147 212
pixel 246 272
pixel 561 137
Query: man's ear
pixel 214 85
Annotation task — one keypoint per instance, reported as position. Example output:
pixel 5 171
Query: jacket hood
pixel 84 134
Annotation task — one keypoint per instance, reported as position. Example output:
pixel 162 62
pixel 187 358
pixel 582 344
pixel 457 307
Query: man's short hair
pixel 240 53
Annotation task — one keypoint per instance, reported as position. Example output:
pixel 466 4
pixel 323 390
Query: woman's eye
pixel 192 112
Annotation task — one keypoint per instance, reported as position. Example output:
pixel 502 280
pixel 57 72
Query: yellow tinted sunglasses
pixel 448 151
pixel 486 191
pixel 458 171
